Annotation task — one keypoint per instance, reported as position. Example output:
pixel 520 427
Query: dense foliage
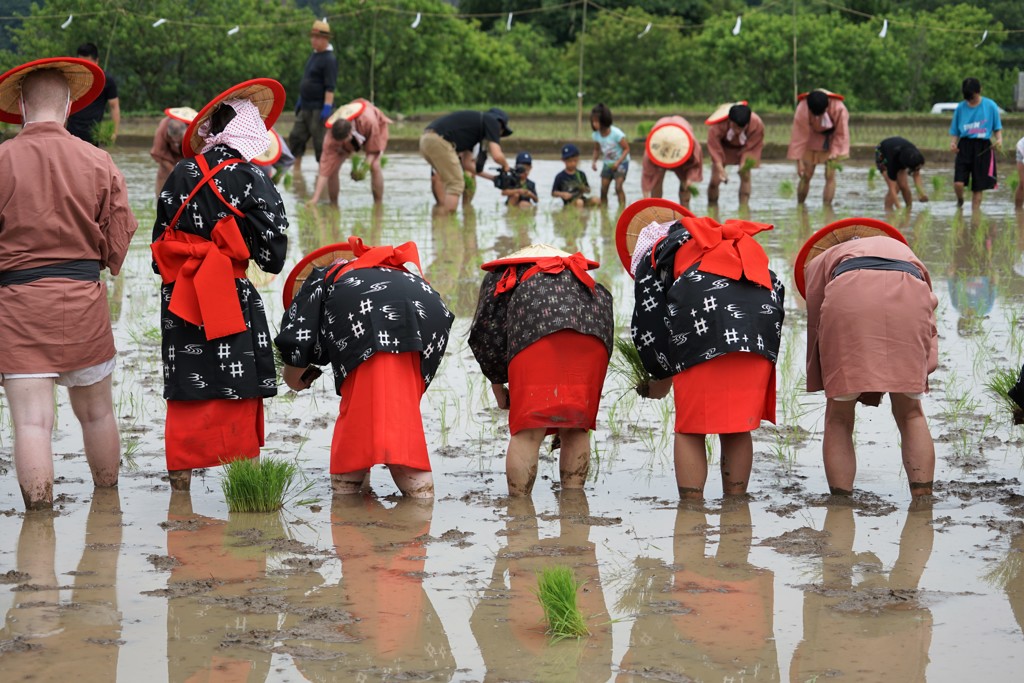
pixel 687 56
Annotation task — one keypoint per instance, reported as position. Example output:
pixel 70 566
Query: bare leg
pixel 837 446
pixel 658 188
pixel 605 184
pixel 684 194
pixel 713 186
pixel 830 185
pixel 745 186
pixel 181 480
pixel 737 461
pixel 917 445
pixel 93 405
pixel 349 483
pixel 691 462
pixel 958 188
pixel 333 187
pixel 436 187
pixel 521 461
pixel 376 178
pixel 976 198
pixel 620 181
pixel 806 172
pixel 1018 196
pixel 31 402
pixel 411 482
pixel 574 461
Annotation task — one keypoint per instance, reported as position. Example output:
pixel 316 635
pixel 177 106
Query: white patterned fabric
pixel 646 239
pixel 246 133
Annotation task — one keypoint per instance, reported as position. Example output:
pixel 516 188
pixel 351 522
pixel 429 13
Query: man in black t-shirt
pixel 449 136
pixel 82 124
pixel 316 94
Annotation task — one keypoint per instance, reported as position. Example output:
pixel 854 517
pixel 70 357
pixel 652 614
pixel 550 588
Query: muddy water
pixel 788 585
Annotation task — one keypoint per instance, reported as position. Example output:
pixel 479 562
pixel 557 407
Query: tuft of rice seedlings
pixel 627 365
pixel 359 167
pixel 693 190
pixel 643 128
pixel 748 164
pixel 938 184
pixel 556 589
pixel 257 485
pixel 872 175
pixel 834 165
pixel 786 189
pixel 1014 181
pixel 998 385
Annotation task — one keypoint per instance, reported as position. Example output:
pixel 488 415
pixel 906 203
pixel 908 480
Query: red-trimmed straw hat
pixel 273 153
pixel 803 95
pixel 183 114
pixel 837 233
pixel 638 216
pixel 669 145
pixel 84 78
pixel 722 113
pixel 532 254
pixel 350 111
pixel 266 93
pixel 324 256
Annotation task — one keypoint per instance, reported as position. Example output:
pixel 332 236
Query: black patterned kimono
pixel 365 311
pixel 681 322
pixel 239 365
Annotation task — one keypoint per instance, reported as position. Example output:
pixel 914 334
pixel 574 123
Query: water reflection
pixel 971 277
pixel 709 617
pixel 860 620
pixel 508 621
pixel 455 270
pixel 48 639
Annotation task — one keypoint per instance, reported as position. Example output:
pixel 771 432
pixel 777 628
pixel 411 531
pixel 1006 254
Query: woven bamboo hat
pixel 531 254
pixel 722 113
pixel 273 153
pixel 638 216
pixel 318 258
pixel 349 111
pixel 321 29
pixel 837 233
pixel 669 145
pixel 85 79
pixel 835 95
pixel 266 93
pixel 183 114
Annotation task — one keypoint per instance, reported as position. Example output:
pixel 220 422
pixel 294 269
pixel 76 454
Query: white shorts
pixel 72 378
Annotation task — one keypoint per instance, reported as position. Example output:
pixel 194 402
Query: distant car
pixel 950 107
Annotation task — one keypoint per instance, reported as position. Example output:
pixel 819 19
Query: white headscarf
pixel 246 133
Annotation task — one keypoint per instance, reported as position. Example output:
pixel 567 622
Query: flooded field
pixel 788 585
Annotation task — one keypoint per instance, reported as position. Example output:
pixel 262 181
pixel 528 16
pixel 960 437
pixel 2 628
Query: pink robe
pixel 869 330
pixel 372 124
pixel 807 131
pixel 728 152
pixel 164 149
pixel 692 171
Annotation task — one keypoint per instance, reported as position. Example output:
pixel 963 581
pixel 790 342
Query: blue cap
pixel 524 159
pixel 570 151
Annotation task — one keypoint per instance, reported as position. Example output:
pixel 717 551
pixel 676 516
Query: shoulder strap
pixel 208 175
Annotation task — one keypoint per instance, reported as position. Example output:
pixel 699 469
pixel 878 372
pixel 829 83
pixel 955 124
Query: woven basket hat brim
pixel 669 145
pixel 638 216
pixel 531 254
pixel 183 114
pixel 349 111
pixel 85 80
pixel 273 153
pixel 266 93
pixel 722 113
pixel 318 258
pixel 837 233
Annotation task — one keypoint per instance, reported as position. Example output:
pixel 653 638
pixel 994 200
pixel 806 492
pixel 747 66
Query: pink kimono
pixel 692 171
pixel 810 132
pixel 869 331
pixel 372 124
pixel 746 145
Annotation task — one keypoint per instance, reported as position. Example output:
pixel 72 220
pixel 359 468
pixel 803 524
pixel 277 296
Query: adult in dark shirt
pixel 449 136
pixel 82 124
pixel 316 94
pixel 895 159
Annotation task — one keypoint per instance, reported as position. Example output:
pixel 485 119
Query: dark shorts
pixel 608 172
pixel 975 164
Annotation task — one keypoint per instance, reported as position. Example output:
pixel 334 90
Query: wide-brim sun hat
pixel 318 258
pixel 669 145
pixel 834 234
pixel 722 113
pixel 85 80
pixel 532 254
pixel 835 95
pixel 638 216
pixel 321 29
pixel 183 114
pixel 350 112
pixel 266 93
pixel 273 152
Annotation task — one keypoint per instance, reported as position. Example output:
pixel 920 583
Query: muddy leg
pixel 744 188
pixel 916 443
pixel 737 461
pixel 837 446
pixel 830 185
pixel 181 480
pixel 806 172
pixel 31 402
pixel 412 482
pixel 93 405
pixel 521 461
pixel 574 462
pixel 958 189
pixel 349 483
pixel 691 463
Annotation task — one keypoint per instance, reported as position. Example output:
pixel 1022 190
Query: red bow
pixel 204 273
pixel 370 257
pixel 727 250
pixel 577 263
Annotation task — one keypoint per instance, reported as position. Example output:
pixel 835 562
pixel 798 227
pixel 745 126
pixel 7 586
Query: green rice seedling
pixel 998 385
pixel 786 189
pixel 834 165
pixel 872 175
pixel 556 589
pixel 470 181
pixel 257 485
pixel 643 128
pixel 1006 570
pixel 627 365
pixel 359 167
pixel 748 164
pixel 693 190
pixel 938 185
pixel 1014 181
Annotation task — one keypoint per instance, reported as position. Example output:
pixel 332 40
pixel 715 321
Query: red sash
pixel 728 250
pixel 371 257
pixel 577 263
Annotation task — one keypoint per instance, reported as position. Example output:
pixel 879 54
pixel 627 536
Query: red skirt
pixel 210 433
pixel 556 382
pixel 379 420
pixel 725 395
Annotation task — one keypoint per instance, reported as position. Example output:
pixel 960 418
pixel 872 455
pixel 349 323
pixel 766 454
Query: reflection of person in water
pixel 874 630
pixel 709 617
pixel 83 634
pixel 397 632
pixel 508 622
pixel 972 278
pixel 213 573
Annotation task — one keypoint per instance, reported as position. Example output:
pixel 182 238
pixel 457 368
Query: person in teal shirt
pixel 977 133
pixel 611 146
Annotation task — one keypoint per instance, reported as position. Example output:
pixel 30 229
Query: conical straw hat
pixel 183 114
pixel 669 145
pixel 803 95
pixel 722 113
pixel 85 79
pixel 837 233
pixel 273 153
pixel 638 216
pixel 531 254
pixel 324 256
pixel 349 111
pixel 266 93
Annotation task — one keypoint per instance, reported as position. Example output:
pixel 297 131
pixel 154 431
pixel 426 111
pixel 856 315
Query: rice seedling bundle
pixel 556 589
pixel 627 365
pixel 257 485
pixel 998 385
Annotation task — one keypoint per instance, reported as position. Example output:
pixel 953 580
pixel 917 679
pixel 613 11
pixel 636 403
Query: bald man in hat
pixel 65 217
pixel 316 94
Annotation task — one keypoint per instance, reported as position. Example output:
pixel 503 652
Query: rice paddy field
pixel 788 584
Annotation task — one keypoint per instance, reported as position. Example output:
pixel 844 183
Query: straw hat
pixel 722 113
pixel 638 216
pixel 803 95
pixel 349 111
pixel 318 258
pixel 321 29
pixel 273 153
pixel 837 233
pixel 85 79
pixel 266 93
pixel 669 145
pixel 531 254
pixel 183 114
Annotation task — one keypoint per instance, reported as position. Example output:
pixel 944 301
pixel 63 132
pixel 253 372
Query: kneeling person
pixel 384 330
